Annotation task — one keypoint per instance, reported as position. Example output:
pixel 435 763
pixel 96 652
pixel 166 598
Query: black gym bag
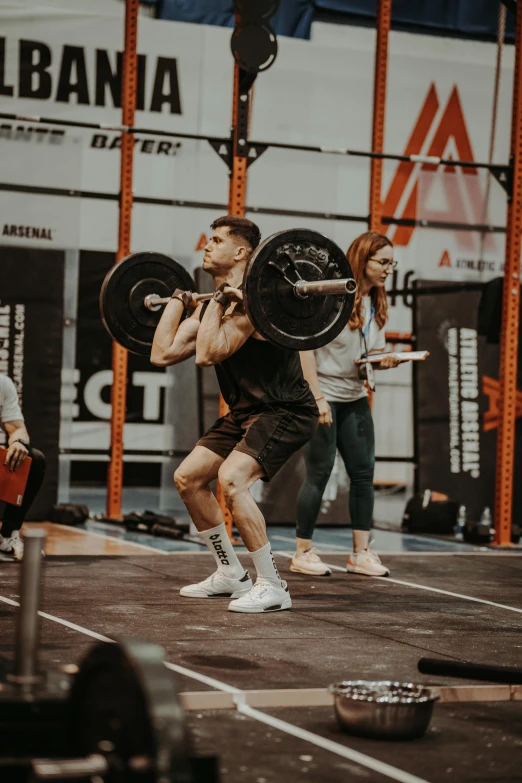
pixel 430 512
pixel 69 514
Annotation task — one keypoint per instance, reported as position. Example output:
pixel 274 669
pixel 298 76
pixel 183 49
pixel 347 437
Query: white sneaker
pixel 263 597
pixel 217 585
pixel 309 562
pixel 13 545
pixel 366 562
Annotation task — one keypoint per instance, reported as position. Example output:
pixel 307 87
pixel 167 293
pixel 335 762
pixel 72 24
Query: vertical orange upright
pixel 510 315
pixel 379 109
pixel 236 206
pixel 238 175
pixel 119 354
pixel 380 77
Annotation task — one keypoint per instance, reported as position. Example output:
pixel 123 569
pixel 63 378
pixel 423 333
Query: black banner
pixel 31 314
pixel 145 389
pixel 456 393
pixel 94 352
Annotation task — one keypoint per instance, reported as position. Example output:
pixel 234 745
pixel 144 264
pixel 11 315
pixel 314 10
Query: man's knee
pixel 230 482
pixel 184 480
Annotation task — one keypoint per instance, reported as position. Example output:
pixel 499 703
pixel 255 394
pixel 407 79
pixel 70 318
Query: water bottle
pixel 426 498
pixel 461 523
pixel 487 520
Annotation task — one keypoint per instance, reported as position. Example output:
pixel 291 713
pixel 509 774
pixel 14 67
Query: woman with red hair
pixel 345 418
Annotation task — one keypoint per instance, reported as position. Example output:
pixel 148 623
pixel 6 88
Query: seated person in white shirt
pixel 18 449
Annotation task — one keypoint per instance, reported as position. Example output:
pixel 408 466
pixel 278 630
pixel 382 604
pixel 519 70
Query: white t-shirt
pixel 9 406
pixel 337 372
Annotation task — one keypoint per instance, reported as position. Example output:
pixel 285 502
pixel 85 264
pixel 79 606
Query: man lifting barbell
pixel 272 414
pixel 293 292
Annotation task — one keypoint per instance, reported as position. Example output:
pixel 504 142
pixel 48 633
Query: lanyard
pixel 366 329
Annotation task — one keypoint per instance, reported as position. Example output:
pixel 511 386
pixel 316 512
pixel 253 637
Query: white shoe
pixel 13 545
pixel 366 562
pixel 217 585
pixel 309 562
pixel 263 597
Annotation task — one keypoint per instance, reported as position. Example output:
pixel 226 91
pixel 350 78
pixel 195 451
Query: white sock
pixel 265 566
pixel 222 548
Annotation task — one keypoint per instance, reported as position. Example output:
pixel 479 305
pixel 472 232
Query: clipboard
pixel 12 485
pixel 403 356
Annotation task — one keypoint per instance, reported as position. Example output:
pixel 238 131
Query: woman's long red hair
pixel 361 249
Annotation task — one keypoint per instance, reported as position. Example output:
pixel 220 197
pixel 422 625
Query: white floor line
pixel 448 592
pixel 216 684
pixel 334 747
pixel 96 534
pixel 66 623
pixel 289 728
pixel 424 587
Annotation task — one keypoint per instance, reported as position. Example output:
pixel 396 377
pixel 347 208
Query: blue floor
pixel 282 539
pixel 388 508
pixel 386 535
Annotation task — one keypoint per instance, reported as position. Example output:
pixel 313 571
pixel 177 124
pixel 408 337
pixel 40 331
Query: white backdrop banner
pixel 65 62
pixel 67 65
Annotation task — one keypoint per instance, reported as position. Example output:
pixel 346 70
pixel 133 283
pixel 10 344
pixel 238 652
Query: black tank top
pixel 261 374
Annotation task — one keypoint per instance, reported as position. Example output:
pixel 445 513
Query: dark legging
pixel 15 515
pixel 352 433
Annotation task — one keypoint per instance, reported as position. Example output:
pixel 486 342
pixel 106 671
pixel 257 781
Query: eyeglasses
pixel 386 264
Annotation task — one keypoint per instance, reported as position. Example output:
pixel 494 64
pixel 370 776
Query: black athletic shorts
pixel 271 435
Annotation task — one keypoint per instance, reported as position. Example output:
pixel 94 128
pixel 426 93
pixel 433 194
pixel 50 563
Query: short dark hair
pixel 239 227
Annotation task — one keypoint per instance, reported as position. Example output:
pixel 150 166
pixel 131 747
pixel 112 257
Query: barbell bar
pixel 302 288
pixel 298 291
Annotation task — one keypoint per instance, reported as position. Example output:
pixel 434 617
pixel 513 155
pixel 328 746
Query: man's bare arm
pixel 174 341
pixel 221 336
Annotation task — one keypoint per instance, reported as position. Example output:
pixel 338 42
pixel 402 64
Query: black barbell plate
pixel 124 704
pixel 276 312
pixel 254 47
pixel 124 289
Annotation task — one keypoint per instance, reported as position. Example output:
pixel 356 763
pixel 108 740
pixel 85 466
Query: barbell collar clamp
pixel 24 680
pixel 304 288
pixel 70 769
pixel 80 768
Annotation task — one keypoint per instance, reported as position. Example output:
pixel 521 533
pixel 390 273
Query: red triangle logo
pixel 445 259
pixel 451 126
pixel 202 242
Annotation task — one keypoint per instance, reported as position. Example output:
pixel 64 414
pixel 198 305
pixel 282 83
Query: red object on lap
pixel 13 483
